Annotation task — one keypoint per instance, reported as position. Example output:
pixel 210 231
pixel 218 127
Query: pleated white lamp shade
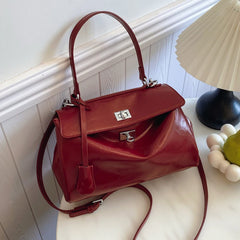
pixel 209 49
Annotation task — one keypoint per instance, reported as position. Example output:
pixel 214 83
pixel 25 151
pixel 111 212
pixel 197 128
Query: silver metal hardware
pixel 100 201
pixel 66 102
pixel 122 115
pixel 127 136
pixel 149 82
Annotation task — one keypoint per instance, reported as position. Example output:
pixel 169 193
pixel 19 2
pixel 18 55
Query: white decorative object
pixel 214 139
pixel 223 135
pixel 209 51
pixel 228 129
pixel 232 173
pixel 215 158
pixel 215 147
pixel 209 48
pixel 215 142
pixel 223 166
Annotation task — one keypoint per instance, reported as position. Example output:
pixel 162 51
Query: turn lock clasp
pixel 122 115
pixel 128 136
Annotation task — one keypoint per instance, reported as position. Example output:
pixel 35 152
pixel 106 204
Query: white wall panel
pixel 50 78
pixel 113 79
pixel 48 107
pixel 202 88
pixel 160 59
pixel 16 215
pixel 44 30
pixel 24 133
pixel 176 75
pixel 90 87
pixel 190 86
pixel 132 73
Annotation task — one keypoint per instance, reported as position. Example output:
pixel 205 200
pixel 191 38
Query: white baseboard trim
pixel 42 82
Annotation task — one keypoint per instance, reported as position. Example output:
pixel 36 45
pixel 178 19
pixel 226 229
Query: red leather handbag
pixel 118 140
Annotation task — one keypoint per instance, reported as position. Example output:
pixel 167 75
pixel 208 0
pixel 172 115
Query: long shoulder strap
pixel 93 206
pixel 205 191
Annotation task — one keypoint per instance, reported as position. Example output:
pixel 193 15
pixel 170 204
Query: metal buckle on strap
pixel 100 201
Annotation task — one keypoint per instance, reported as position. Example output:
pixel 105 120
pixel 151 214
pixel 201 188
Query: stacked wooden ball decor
pixel 225 151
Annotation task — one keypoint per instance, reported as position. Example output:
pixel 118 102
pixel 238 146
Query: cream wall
pixel 33 32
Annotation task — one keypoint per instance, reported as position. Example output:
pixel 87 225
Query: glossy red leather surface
pixel 92 155
pixel 164 142
pixel 143 103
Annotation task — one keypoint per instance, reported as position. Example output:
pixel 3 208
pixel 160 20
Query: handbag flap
pixel 141 104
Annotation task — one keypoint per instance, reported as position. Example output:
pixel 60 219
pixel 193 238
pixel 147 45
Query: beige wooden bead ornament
pixel 216 158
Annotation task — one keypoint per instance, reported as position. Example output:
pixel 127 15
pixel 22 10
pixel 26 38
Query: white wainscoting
pixel 24 214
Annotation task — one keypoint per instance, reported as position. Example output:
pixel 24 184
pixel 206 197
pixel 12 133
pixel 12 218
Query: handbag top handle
pixel 72 39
